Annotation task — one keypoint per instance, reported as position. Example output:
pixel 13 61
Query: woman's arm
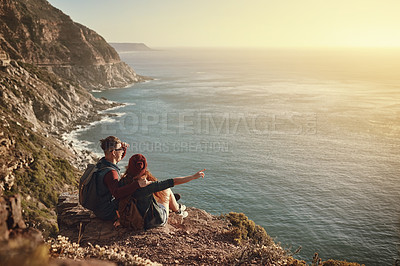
pixel 185 179
pixel 162 185
pixel 153 187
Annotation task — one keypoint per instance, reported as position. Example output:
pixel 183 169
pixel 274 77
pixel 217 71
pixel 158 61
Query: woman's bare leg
pixel 173 205
pixel 170 201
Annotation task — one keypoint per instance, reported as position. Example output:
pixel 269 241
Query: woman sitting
pixel 156 199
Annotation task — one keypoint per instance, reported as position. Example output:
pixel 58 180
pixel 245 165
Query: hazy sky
pixel 239 23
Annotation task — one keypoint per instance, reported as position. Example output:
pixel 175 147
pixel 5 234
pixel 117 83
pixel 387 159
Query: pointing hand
pixel 199 174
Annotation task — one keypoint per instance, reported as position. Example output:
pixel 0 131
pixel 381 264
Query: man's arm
pixel 111 181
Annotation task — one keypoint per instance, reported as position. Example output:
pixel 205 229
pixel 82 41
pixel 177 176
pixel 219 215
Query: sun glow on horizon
pixel 259 23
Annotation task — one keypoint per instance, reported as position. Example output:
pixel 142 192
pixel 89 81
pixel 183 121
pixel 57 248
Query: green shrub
pixel 42 180
pixel 339 263
pixel 23 251
pixel 318 262
pixel 245 229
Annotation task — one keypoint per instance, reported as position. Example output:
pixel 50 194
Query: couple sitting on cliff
pixel 137 184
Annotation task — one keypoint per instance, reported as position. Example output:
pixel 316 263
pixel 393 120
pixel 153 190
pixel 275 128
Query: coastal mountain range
pixel 130 47
pixel 37 33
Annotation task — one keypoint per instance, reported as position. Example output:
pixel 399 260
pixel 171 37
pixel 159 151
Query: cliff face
pixel 35 32
pixel 48 102
pixel 35 107
pixel 47 63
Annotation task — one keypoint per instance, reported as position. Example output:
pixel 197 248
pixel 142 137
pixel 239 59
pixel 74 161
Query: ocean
pixel 304 142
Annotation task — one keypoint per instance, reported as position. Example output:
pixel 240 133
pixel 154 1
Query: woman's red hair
pixel 137 167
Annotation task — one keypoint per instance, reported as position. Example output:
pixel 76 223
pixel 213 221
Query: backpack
pixel 129 215
pixel 88 197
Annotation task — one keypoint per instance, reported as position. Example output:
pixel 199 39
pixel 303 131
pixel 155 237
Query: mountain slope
pixel 36 106
pixel 47 63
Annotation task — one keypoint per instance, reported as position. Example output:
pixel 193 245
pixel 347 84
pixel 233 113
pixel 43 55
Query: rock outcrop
pixel 35 32
pixel 22 245
pixel 11 219
pixel 24 240
pixel 199 239
pixel 81 225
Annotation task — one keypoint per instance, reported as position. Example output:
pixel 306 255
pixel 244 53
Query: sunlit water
pixel 305 143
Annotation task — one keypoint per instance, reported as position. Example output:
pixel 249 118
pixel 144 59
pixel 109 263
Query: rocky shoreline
pixel 82 157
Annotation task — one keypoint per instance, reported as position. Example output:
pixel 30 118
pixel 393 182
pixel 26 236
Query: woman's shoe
pixel 181 209
pixel 184 214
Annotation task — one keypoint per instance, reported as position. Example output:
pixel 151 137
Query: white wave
pixel 130 104
pixel 120 114
pixel 150 80
pixel 126 87
pixel 107 119
pixel 71 138
pixel 120 106
pixel 113 108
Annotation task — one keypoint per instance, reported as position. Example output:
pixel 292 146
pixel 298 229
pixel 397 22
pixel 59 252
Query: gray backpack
pixel 88 197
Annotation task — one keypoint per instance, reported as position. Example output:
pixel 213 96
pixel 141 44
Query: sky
pixel 239 23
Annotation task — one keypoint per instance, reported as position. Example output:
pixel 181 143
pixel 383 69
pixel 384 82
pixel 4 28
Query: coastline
pixel 142 79
pixel 79 148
